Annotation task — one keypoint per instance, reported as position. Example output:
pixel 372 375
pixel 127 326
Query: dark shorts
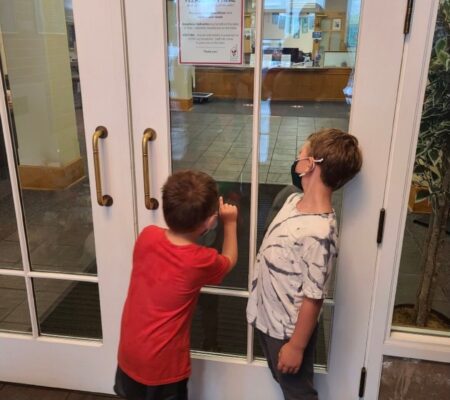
pixel 129 389
pixel 297 386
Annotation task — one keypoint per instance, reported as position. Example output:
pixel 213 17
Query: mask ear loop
pixel 314 162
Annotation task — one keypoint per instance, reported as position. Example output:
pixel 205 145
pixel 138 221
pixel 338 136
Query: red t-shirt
pixel 164 288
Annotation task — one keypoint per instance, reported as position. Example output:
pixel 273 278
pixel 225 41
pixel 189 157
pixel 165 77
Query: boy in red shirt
pixel 169 269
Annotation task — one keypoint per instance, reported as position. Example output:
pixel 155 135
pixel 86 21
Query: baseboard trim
pixel 181 104
pixel 42 177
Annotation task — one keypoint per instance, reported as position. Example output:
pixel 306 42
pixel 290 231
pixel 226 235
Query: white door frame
pixel 412 85
pixel 85 364
pixel 375 90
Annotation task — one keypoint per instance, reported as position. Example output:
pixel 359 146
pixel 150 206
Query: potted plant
pixel 432 165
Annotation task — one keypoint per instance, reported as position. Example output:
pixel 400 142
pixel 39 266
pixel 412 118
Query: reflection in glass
pixel 219 325
pixel 40 67
pixel 423 290
pixel 14 311
pixel 322 341
pixel 304 98
pixel 297 101
pixel 10 256
pixel 68 308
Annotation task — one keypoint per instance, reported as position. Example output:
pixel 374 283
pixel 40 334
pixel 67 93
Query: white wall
pixel 2 53
pixel 273 31
pixel 336 5
pixel 180 76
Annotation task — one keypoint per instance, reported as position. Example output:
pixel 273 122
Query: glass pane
pixel 422 300
pixel 211 124
pixel 41 71
pixel 219 325
pixel 300 99
pixel 14 311
pixel 68 308
pixel 211 109
pixel 322 341
pixel 10 256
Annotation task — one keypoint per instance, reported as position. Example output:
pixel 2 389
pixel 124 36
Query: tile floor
pixel 220 144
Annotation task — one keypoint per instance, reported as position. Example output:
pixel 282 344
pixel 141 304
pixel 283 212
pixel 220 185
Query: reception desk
pixel 282 84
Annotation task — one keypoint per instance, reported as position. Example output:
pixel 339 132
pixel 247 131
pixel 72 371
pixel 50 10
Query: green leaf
pixel 441 44
pixel 434 152
pixel 443 56
pixel 434 155
pixel 421 195
pixel 419 169
pixel 436 177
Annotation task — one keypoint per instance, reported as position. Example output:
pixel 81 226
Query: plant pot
pixel 403 316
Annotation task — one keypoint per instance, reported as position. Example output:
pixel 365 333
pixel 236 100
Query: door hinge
pixel 381 226
pixel 362 382
pixel 408 16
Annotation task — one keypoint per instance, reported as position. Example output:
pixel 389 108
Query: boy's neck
pixel 181 239
pixel 317 200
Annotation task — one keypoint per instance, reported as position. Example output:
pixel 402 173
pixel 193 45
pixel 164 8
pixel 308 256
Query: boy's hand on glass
pixel 289 359
pixel 227 212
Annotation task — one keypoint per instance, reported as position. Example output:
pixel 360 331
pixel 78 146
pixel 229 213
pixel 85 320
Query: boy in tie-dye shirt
pixel 295 260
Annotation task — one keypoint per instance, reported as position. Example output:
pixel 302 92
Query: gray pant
pixel 297 386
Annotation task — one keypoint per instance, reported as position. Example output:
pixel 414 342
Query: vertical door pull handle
pixel 150 202
pixel 104 200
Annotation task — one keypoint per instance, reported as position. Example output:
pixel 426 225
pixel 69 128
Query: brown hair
pixel 189 198
pixel 342 158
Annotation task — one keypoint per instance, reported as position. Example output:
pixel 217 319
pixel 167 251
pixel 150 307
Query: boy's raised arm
pixel 228 214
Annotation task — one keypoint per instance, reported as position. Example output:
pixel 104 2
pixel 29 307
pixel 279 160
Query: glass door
pixel 234 90
pixel 293 68
pixel 66 199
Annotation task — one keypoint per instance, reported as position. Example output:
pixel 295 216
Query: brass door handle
pixel 150 202
pixel 103 200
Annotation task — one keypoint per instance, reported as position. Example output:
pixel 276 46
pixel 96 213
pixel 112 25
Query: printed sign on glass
pixel 210 31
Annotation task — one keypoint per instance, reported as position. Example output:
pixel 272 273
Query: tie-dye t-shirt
pixel 294 261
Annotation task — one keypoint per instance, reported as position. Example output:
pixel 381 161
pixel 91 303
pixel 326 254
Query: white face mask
pixel 214 224
pixel 211 225
pixel 208 236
